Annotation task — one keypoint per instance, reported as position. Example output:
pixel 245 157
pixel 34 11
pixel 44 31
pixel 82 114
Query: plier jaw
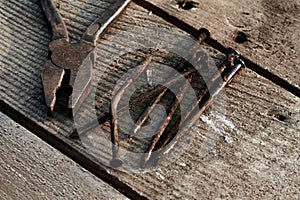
pixel 52 78
pixel 71 63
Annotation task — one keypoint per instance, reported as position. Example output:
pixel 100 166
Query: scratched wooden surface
pixel 248 147
pixel 31 169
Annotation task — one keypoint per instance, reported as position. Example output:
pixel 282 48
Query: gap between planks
pixel 65 148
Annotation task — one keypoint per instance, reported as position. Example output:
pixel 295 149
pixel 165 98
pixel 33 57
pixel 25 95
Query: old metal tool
pixel 72 61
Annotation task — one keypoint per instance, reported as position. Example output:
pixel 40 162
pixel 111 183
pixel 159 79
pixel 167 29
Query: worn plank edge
pixel 64 147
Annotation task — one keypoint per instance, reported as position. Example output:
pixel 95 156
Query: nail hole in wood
pixel 240 37
pixel 187 5
pixel 280 117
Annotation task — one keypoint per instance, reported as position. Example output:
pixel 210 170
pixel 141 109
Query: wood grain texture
pixel 271 26
pixel 31 169
pixel 240 149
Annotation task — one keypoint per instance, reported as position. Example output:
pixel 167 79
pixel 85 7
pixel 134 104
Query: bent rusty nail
pixel 203 102
pixel 164 125
pixel 216 77
pixel 116 161
pixel 145 115
pixel 212 89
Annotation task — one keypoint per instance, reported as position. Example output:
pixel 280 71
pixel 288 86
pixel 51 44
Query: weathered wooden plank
pixel 239 149
pixel 32 169
pixel 271 28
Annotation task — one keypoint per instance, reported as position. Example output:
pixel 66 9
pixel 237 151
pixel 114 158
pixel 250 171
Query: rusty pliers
pixel 73 61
